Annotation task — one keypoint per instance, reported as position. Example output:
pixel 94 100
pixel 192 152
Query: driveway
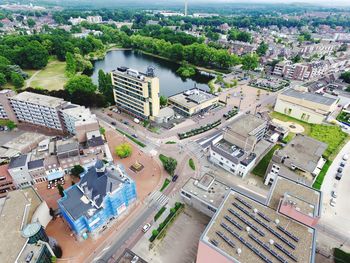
pixel 335 221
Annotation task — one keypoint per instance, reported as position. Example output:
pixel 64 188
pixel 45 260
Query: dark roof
pixel 68 147
pixel 317 98
pixel 35 164
pixel 95 141
pixel 18 161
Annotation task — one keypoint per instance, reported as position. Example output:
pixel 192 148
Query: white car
pixel 345 157
pixel 146 228
pixel 332 202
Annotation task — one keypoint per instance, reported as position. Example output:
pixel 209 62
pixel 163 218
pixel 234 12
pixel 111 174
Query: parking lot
pixel 190 224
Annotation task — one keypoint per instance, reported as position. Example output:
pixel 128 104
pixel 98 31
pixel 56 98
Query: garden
pixel 344 117
pixel 261 167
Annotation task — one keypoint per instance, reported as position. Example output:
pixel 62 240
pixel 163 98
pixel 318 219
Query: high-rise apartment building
pixel 136 93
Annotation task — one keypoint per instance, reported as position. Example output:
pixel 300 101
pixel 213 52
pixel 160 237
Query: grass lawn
pixel 289 137
pixel 330 134
pixel 340 256
pixel 319 180
pixel 52 77
pixel 261 167
pixel 165 184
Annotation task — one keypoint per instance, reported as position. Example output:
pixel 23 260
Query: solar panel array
pixel 214 242
pixel 225 238
pixel 248 223
pixel 264 216
pixel 243 202
pixel 266 247
pixel 285 251
pixel 286 241
pixel 288 233
pixel 233 222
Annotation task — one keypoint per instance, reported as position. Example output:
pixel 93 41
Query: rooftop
pixel 16 212
pixel 308 199
pixel 39 99
pixel 192 97
pixel 35 164
pixel 316 98
pixel 95 141
pixel 64 146
pixel 128 256
pixel 18 161
pixel 207 189
pixel 246 125
pixel 245 229
pixel 303 152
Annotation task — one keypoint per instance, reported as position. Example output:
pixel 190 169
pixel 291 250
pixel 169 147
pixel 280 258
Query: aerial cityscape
pixel 174 131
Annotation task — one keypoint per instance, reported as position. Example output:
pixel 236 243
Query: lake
pixel 170 82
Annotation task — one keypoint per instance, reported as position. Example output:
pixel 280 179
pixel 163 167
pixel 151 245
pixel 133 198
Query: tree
pixel 163 101
pixel 33 55
pixel 170 165
pixel 80 83
pixel 60 190
pixel 105 85
pixel 3 80
pixel 17 80
pixel 102 130
pixel 250 62
pixel 345 76
pixel 155 232
pixel 31 22
pixel 71 67
pixel 262 49
pixel 123 150
pixel 296 58
pixel 77 170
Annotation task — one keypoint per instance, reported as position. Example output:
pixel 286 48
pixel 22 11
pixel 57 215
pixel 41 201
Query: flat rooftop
pixel 261 234
pixel 35 248
pixel 303 152
pixel 13 216
pixel 306 198
pixel 39 99
pixel 192 98
pixel 316 98
pixel 246 125
pixel 207 189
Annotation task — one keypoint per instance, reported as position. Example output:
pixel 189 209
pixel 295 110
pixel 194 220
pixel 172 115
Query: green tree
pixel 170 165
pixel 80 83
pixel 71 66
pixel 17 80
pixel 345 76
pixel 250 62
pixel 3 80
pixel 155 232
pixel 296 58
pixel 105 85
pixel 77 170
pixel 262 49
pixel 102 130
pixel 31 23
pixel 123 150
pixel 60 190
pixel 33 55
pixel 163 101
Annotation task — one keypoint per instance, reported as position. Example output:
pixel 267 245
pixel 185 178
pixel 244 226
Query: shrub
pixel 123 150
pixel 191 164
pixel 159 213
pixel 77 170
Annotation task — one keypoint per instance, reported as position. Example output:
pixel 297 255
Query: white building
pixel 76 21
pixel 94 19
pixel 18 169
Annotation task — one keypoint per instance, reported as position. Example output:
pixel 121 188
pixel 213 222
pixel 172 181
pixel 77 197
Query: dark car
pixel 340 170
pixel 135 136
pixel 338 176
pixel 342 164
pixel 113 123
pixel 175 178
pixel 126 122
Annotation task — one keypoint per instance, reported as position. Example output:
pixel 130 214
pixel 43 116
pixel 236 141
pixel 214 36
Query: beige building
pixel 136 93
pixel 193 101
pixel 305 106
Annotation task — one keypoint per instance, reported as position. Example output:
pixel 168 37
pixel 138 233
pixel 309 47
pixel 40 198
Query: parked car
pixel 135 136
pixel 109 114
pixel 136 120
pixel 338 176
pixel 146 227
pixel 342 164
pixel 340 170
pixel 113 123
pixel 345 157
pixel 126 122
pixel 332 202
pixel 175 178
pixel 334 194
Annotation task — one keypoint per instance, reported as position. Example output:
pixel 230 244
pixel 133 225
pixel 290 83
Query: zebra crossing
pixel 158 198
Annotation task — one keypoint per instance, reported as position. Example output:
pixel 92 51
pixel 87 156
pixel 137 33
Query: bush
pixel 57 250
pixel 123 150
pixel 200 130
pixel 169 163
pixel 17 80
pixel 77 170
pixel 340 256
pixel 132 138
pixel 191 164
pixel 165 184
pixel 159 213
pixel 60 190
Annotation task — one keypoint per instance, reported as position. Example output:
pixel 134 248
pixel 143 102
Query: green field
pixel 319 180
pixel 261 167
pixel 52 77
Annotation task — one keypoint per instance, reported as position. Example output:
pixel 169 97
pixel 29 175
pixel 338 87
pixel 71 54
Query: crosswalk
pixel 158 198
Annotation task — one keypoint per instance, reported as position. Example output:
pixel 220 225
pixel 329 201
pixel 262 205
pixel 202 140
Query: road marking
pixel 106 248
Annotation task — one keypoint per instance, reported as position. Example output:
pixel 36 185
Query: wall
pixel 207 254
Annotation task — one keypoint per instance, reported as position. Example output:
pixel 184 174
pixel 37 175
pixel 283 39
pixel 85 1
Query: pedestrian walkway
pixel 159 198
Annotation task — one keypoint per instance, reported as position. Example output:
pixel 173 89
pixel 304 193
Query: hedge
pixel 199 130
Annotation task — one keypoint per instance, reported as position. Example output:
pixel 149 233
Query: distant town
pixel 174 132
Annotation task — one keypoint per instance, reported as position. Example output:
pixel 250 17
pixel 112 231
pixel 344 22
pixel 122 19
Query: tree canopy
pixel 80 83
pixel 123 150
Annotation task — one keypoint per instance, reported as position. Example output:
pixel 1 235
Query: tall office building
pixel 136 93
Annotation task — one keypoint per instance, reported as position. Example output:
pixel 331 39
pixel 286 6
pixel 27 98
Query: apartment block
pixel 136 93
pixel 38 109
pixel 6 111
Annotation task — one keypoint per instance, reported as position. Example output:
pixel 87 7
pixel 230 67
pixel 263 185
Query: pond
pixel 170 82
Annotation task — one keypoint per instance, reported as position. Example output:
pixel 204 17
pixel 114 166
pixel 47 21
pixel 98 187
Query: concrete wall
pixel 207 254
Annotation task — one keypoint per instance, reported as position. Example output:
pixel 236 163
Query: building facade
pixel 103 194
pixel 305 106
pixel 136 93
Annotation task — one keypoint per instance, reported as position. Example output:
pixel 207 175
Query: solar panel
pixel 264 216
pixel 225 238
pixel 288 233
pixel 243 202
pixel 285 251
pixel 214 242
pixel 233 222
pixel 261 233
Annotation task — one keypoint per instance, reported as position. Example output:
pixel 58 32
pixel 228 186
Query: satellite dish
pixel 255 210
pixel 271 241
pixel 248 228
